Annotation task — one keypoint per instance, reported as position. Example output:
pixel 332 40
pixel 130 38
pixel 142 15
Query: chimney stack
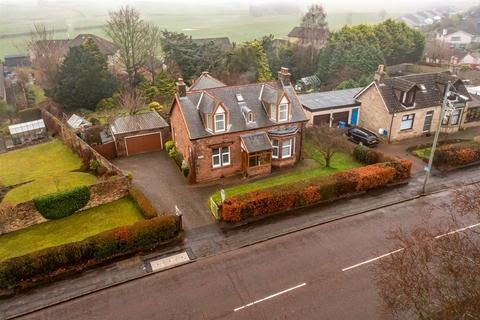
pixel 181 88
pixel 379 74
pixel 284 76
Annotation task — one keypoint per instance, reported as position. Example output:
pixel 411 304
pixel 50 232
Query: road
pixel 322 272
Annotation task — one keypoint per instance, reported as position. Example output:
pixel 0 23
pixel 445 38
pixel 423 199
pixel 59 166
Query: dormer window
pixel 273 112
pixel 220 120
pixel 209 121
pixel 283 112
pixel 408 98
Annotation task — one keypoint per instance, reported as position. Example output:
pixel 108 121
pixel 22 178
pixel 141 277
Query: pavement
pixel 210 240
pixel 323 272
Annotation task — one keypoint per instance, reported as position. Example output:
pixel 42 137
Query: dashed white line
pixel 270 297
pixel 398 250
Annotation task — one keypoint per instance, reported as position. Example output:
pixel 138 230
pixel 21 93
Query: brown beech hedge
pixel 42 265
pixel 315 190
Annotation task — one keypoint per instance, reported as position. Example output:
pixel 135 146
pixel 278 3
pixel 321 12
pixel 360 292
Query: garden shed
pixel 139 133
pixel 27 131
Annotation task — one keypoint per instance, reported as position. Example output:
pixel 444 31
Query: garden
pixel 340 171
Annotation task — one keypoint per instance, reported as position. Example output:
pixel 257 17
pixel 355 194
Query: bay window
pixel 275 149
pixel 287 148
pixel 220 157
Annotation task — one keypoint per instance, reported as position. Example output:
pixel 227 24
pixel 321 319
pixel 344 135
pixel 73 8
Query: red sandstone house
pixel 227 130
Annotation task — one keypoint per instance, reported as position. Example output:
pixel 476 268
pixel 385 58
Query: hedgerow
pixel 143 203
pixel 62 204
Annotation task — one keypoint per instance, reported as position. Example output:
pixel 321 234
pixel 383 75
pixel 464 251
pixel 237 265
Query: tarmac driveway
pixel 162 182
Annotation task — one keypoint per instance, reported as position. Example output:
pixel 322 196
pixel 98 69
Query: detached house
pixel 225 130
pixel 409 106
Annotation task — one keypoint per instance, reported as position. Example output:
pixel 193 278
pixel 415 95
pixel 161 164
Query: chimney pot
pixel 181 88
pixel 284 76
pixel 379 74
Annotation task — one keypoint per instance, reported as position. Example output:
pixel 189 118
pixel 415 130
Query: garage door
pixel 321 120
pixel 143 143
pixel 340 116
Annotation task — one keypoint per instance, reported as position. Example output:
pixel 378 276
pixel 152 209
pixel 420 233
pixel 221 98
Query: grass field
pixel 48 184
pixel 42 160
pixel 340 162
pixel 70 229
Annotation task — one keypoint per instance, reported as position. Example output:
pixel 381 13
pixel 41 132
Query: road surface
pixel 319 273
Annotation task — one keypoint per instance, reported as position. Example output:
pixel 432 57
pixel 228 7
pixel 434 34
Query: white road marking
pixel 269 297
pixel 398 250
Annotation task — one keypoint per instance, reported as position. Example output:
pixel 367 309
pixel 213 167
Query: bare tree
pixel 153 49
pixel 436 275
pixel 129 32
pixel 438 50
pixel 315 17
pixel 131 100
pixel 328 141
pixel 46 55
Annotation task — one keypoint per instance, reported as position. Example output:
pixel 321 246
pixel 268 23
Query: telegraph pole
pixel 428 168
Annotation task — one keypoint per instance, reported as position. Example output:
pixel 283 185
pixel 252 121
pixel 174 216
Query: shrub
pixel 185 168
pixel 172 153
pixel 169 145
pixel 143 203
pixel 365 155
pixel 155 106
pixel 373 176
pixel 62 204
pixel 96 167
pixel 43 264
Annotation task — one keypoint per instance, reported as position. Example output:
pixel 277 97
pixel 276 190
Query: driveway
pixel 160 179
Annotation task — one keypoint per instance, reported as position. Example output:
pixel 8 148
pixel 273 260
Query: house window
pixel 209 121
pixel 456 116
pixel 273 112
pixel 473 114
pixel 220 122
pixel 220 157
pixel 283 112
pixel 445 120
pixel 456 39
pixel 287 148
pixel 275 149
pixel 407 122
pixel 259 158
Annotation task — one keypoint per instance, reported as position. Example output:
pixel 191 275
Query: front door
pixel 428 121
pixel 354 117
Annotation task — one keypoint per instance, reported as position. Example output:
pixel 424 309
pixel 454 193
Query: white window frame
pixel 406 119
pixel 280 111
pixel 275 147
pixel 219 153
pixel 209 121
pixel 290 148
pixel 222 115
pixel 273 112
pixel 455 117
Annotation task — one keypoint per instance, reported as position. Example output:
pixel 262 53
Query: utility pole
pixel 435 139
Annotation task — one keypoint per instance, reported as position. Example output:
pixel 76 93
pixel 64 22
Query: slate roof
pixel 309 33
pixel 236 120
pixel 256 142
pixel 106 47
pixel 431 97
pixel 138 122
pixel 222 42
pixel 329 99
pixel 206 81
pixel 17 60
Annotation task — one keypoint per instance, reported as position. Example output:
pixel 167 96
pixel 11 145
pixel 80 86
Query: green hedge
pixel 62 204
pixel 143 203
pixel 43 265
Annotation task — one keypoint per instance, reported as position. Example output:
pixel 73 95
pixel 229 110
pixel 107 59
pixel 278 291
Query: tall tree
pixel 84 78
pixel 315 17
pixel 153 49
pixel 181 52
pixel 263 70
pixel 126 29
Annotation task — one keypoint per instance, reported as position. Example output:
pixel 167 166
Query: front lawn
pixel 70 229
pixel 48 184
pixel 42 160
pixel 339 162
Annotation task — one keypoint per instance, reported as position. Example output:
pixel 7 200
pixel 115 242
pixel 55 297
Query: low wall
pixel 23 215
pixel 69 137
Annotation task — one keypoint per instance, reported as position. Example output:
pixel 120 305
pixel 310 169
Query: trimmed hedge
pixel 143 203
pixel 454 155
pixel 62 204
pixel 43 265
pixel 315 190
pixel 366 155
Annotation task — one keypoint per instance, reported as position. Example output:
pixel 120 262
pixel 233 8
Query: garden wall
pixel 25 214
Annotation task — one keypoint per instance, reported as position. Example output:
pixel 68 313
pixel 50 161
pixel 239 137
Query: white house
pixel 459 39
pixel 471 58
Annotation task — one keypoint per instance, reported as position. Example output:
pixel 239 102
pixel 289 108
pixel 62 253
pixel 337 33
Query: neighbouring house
pixel 17 61
pixel 471 58
pixel 221 42
pixel 459 39
pixel 205 81
pixel 107 48
pixel 246 129
pixel 409 106
pixel 139 133
pixel 27 132
pixel 305 37
pixel 307 83
pixel 332 108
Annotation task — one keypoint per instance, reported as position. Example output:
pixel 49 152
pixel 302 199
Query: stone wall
pixel 374 115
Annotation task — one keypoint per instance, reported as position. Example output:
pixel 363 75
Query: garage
pixel 139 133
pixel 321 120
pixel 340 116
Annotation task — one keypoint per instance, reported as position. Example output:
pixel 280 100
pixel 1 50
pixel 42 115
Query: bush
pixel 172 153
pixel 315 190
pixel 365 155
pixel 43 264
pixel 185 168
pixel 97 167
pixel 155 106
pixel 169 145
pixel 62 204
pixel 143 203
pixel 454 155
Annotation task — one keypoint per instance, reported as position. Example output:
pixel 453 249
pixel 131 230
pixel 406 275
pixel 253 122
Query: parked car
pixel 362 136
